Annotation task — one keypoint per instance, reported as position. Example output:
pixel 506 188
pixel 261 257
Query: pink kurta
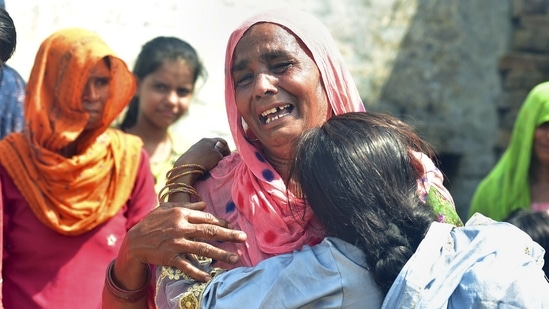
pixel 44 269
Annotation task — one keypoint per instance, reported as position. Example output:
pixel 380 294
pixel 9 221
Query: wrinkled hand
pixel 206 152
pixel 165 236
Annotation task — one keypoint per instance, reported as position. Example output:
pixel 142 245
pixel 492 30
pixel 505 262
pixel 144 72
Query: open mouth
pixel 275 113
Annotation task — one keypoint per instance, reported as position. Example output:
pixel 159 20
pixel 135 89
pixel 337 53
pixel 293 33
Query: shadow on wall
pixel 444 82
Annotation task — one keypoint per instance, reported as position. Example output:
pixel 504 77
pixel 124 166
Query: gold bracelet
pixel 172 178
pixel 177 187
pixel 182 166
pixel 124 295
pixel 181 190
pixel 172 185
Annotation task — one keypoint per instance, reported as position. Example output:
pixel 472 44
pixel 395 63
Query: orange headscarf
pixel 72 195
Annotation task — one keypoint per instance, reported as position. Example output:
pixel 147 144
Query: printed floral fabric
pixel 12 96
pixel 191 291
pixel 444 210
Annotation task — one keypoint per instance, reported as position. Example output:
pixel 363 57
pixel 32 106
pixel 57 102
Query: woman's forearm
pixel 127 284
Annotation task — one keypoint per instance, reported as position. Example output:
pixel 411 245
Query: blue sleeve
pixel 288 281
pixel 319 276
pixel 12 97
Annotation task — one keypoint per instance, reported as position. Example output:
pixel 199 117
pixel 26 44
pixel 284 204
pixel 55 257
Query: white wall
pixel 127 24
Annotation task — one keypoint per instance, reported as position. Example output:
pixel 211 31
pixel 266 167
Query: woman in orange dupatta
pixel 71 186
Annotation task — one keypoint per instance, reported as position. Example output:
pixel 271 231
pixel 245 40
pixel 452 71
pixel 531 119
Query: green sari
pixel 506 188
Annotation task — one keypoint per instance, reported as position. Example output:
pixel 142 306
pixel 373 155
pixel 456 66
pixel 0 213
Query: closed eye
pixel 281 68
pixel 243 80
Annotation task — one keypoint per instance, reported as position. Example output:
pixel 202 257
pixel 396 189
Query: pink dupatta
pixel 244 188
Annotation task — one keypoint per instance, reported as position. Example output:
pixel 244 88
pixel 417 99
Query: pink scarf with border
pixel 258 202
pixel 244 188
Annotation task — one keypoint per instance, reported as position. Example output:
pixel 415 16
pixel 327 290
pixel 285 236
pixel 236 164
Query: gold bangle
pixel 182 166
pixel 172 178
pixel 172 185
pixel 177 187
pixel 181 190
pixel 124 295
